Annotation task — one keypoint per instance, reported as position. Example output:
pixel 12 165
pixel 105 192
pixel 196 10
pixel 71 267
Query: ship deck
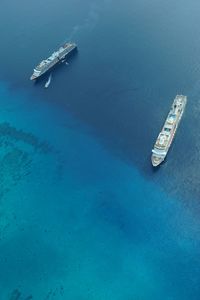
pixel 166 135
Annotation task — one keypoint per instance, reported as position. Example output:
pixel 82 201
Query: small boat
pixel 48 82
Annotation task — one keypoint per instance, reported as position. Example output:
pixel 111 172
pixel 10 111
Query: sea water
pixel 82 213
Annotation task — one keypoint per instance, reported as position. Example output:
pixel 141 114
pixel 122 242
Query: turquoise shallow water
pixel 78 223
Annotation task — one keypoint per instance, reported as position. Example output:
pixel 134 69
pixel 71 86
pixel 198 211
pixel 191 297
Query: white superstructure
pixel 168 131
pixel 55 57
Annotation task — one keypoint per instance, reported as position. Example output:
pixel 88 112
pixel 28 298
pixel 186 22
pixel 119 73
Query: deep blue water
pixel 83 216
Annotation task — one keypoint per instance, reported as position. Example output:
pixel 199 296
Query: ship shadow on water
pixel 63 65
pixel 149 169
pixel 156 169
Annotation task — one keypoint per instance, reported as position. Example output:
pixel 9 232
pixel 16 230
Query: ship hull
pixel 56 61
pixel 156 162
pixel 167 134
pixel 33 77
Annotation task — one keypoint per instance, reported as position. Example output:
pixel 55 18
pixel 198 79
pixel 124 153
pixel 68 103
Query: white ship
pixel 56 57
pixel 168 131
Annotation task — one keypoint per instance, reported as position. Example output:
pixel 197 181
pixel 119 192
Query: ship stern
pixel 156 160
pixel 33 77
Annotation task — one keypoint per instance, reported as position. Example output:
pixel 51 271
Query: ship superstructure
pixel 52 60
pixel 168 131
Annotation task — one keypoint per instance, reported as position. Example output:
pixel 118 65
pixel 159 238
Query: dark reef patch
pixel 22 157
pixel 17 153
pixel 6 130
pixel 17 295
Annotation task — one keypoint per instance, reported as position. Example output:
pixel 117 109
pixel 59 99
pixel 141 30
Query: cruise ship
pixel 168 131
pixel 52 60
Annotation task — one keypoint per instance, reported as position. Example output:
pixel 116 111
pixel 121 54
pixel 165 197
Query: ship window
pixel 172 116
pixel 167 129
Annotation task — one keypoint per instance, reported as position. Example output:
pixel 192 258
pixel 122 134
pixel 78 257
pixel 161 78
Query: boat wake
pixel 48 81
pixel 90 21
